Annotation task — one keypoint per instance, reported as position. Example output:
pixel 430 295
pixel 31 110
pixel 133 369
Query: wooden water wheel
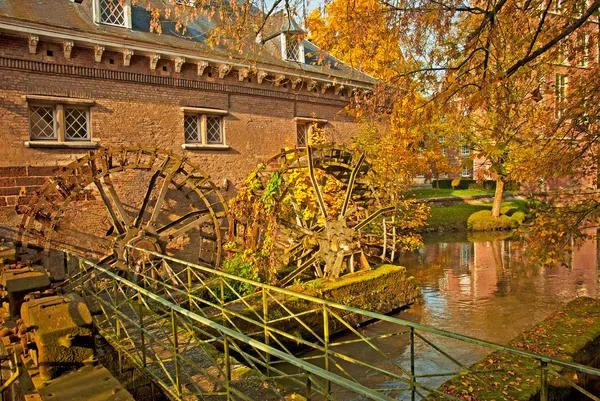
pixel 330 217
pixel 140 196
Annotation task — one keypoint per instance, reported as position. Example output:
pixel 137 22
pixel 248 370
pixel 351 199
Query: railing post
pixel 412 364
pixel 119 351
pixel 544 381
pixel 189 286
pixel 142 337
pixel 326 345
pixel 265 301
pixel 223 302
pixel 227 367
pixel 67 264
pixel 176 352
pixel 308 387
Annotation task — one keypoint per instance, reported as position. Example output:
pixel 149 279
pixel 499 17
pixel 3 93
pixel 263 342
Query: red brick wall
pixel 127 112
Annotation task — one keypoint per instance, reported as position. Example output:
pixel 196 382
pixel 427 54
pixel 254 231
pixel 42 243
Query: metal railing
pixel 181 322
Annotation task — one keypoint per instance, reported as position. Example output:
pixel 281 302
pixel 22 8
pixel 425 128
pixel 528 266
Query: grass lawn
pixel 454 218
pixel 433 192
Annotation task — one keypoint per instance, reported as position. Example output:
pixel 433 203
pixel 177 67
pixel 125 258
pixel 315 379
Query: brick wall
pixel 129 111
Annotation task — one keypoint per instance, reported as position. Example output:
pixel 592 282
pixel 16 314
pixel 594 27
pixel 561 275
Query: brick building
pixel 78 75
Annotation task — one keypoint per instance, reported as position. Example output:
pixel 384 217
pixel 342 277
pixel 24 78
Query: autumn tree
pixel 497 61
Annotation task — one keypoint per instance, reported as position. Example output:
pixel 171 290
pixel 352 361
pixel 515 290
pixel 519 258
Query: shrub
pixel 519 217
pixel 472 184
pixel 483 221
pixel 238 267
pixel 509 210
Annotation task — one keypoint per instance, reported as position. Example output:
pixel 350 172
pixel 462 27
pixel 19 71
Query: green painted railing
pixel 169 318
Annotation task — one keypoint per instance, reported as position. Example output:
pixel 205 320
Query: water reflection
pixel 487 289
pixel 484 289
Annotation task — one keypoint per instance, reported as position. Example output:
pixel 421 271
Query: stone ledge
pixel 199 146
pixel 61 145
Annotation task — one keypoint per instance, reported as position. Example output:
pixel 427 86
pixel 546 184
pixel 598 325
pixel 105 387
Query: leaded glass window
pixel 292 48
pixel 203 129
pixel 76 124
pixel 42 122
pixel 302 135
pixel 213 130
pixel 191 128
pixel 113 12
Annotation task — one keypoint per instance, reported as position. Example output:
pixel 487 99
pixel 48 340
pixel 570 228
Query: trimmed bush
pixel 519 217
pixel 483 221
pixel 509 210
pixel 472 184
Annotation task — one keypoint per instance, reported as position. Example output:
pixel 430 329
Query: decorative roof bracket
pixel 261 75
pixel 32 41
pixel 295 82
pixel 98 51
pixel 179 61
pixel 127 57
pixel 201 67
pixel 243 74
pixel 154 60
pixel 67 48
pixel 224 70
pixel 280 79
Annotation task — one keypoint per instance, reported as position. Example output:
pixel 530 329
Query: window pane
pixel 112 12
pixel 41 122
pixel 76 125
pixel 213 130
pixel 190 124
pixel 302 135
pixel 292 47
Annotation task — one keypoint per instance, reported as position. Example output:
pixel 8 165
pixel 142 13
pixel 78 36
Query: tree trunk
pixel 498 197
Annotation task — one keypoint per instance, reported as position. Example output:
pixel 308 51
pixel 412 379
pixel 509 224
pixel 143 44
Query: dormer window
pixel 113 12
pixel 291 47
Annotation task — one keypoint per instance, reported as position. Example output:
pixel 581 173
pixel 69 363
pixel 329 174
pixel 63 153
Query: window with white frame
pixel 113 12
pixel 465 172
pixel 444 152
pixel 202 128
pixel 59 122
pixel 560 94
pixel 291 47
pixel 464 150
pixel 583 51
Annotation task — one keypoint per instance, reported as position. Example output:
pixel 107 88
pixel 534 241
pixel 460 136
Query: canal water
pixel 483 289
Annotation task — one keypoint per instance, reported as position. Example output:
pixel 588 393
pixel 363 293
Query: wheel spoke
pixel 372 217
pixel 351 185
pixel 197 218
pixel 116 223
pixel 159 201
pixel 313 179
pixel 138 219
pixel 115 198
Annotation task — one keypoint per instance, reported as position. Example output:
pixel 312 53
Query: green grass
pixel 433 192
pixel 454 218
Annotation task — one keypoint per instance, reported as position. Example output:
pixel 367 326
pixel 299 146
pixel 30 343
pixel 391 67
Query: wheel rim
pixel 146 197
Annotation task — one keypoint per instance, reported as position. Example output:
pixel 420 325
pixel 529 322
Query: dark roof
pixel 78 18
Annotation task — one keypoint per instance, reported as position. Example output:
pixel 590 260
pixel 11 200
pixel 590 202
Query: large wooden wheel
pixel 145 197
pixel 330 217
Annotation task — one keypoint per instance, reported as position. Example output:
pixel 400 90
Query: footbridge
pixel 192 332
